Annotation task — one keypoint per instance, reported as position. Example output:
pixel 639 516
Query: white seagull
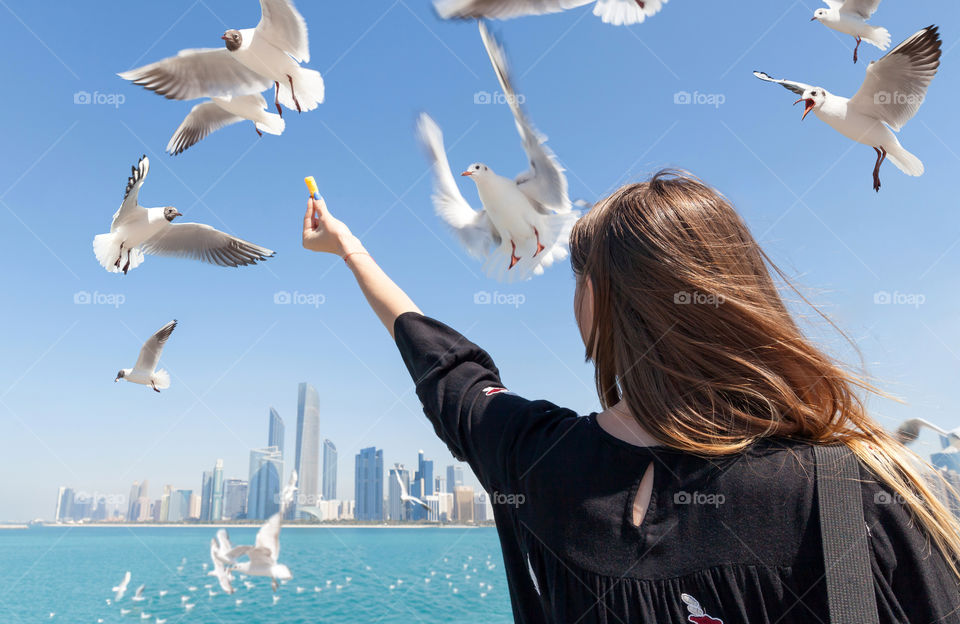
pixel 136 230
pixel 264 554
pixel 220 112
pixel 528 220
pixel 252 60
pixel 406 497
pixel 121 589
pixel 893 91
pixel 850 17
pixel 138 595
pixel 289 492
pixel 145 373
pixel 616 12
pixel 219 551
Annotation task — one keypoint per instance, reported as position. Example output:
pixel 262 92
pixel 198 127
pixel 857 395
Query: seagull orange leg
pixel 513 255
pixel 120 257
pixel 294 94
pixel 855 50
pixel 881 156
pixel 126 267
pixel 276 97
pixel 539 246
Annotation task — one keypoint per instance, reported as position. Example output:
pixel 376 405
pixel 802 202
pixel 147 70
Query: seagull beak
pixel 178 214
pixel 224 37
pixel 813 19
pixel 810 105
pixel 116 380
pixel 467 173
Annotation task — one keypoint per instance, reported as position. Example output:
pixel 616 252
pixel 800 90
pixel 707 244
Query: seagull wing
pixel 283 26
pixel 545 183
pixel 834 4
pixel 403 489
pixel 139 592
pixel 201 121
pixel 196 73
pixel 223 541
pixel 268 538
pixel 502 9
pixel 152 348
pixel 202 242
pixel 472 228
pixel 131 195
pixel 416 500
pixel 122 587
pixel 790 85
pixel 896 85
pixel 860 8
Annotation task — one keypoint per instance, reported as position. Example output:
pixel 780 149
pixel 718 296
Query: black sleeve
pixel 493 430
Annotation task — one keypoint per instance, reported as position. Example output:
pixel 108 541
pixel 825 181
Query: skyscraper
pixel 422 485
pixel 329 471
pixel 64 504
pixel 277 431
pixel 234 499
pixel 454 477
pixel 308 448
pixel 396 508
pixel 132 501
pixel 368 486
pixel 263 492
pixel 463 504
pixel 206 495
pixel 216 493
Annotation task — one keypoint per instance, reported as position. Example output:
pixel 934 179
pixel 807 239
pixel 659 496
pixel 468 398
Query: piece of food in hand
pixel 312 187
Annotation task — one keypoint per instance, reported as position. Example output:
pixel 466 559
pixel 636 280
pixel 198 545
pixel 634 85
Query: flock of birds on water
pixel 524 222
pixel 229 564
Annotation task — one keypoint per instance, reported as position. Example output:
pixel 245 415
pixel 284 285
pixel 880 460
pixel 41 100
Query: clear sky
pixel 605 96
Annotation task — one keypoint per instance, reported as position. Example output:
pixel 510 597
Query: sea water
pixel 339 575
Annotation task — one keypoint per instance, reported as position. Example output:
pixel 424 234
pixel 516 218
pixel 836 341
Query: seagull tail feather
pixel 309 88
pixel 271 123
pixel 905 161
pixel 106 248
pixel 161 379
pixel 878 36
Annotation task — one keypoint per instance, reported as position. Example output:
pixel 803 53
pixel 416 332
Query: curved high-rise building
pixel 277 431
pixel 308 447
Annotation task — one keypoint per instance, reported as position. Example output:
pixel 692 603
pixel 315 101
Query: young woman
pixel 691 496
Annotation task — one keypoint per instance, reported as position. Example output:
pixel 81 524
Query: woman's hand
pixel 324 233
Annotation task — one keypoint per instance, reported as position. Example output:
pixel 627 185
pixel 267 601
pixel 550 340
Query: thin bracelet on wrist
pixel 355 253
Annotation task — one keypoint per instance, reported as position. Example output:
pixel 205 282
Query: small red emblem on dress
pixel 491 390
pixel 697 615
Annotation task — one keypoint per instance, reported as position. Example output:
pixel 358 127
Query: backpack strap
pixel 846 556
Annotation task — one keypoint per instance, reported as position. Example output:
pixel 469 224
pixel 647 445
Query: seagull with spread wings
pixel 136 231
pixel 220 112
pixel 527 220
pixel 893 91
pixel 252 60
pixel 264 555
pixel 145 371
pixel 616 12
pixel 850 17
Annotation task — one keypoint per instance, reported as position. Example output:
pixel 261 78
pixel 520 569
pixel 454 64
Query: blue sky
pixel 606 98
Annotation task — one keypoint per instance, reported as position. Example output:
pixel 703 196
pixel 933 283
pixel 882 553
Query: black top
pixel 730 540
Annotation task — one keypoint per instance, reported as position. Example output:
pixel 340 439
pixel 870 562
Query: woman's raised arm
pixel 324 233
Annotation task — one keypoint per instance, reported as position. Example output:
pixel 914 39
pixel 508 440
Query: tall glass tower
pixel 422 485
pixel 216 495
pixel 277 431
pixel 454 477
pixel 308 447
pixel 368 484
pixel 329 471
pixel 263 491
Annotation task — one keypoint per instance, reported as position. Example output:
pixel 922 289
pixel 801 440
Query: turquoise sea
pixel 362 574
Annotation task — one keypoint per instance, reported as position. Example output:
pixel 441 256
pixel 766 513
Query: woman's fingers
pixel 309 219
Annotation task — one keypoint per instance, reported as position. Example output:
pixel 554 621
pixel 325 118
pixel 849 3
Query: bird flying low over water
pixel 850 17
pixel 404 497
pixel 252 60
pixel 527 220
pixel 136 230
pixel 616 12
pixel 121 588
pixel 890 96
pixel 220 112
pixel 264 555
pixel 145 371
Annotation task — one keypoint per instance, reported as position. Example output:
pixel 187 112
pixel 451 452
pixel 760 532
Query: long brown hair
pixel 690 331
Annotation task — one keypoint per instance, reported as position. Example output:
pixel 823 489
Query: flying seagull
pixel 893 91
pixel 527 220
pixel 850 17
pixel 251 60
pixel 219 549
pixel 145 372
pixel 121 589
pixel 404 497
pixel 264 554
pixel 220 112
pixel 136 230
pixel 138 595
pixel 616 12
pixel 289 492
